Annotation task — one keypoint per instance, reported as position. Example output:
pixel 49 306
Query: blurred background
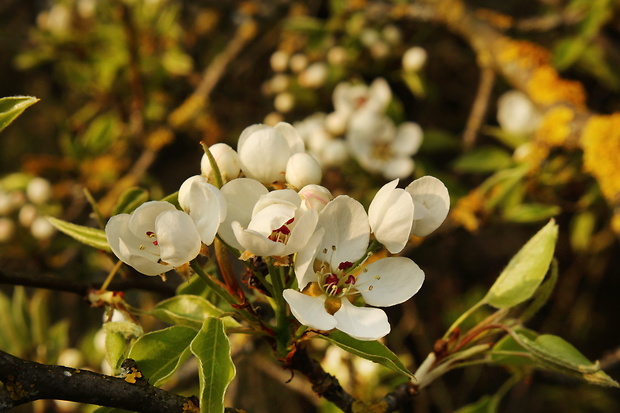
pixel 129 88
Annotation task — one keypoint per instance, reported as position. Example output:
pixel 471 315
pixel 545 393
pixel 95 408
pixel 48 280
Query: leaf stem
pixel 463 316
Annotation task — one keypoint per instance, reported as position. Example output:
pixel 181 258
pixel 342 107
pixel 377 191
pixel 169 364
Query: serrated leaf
pixel 215 366
pixel 532 212
pixel 557 354
pixel 12 107
pixel 484 159
pixel 131 199
pixel 189 310
pixel 90 236
pixel 160 353
pixel 525 271
pixel 369 350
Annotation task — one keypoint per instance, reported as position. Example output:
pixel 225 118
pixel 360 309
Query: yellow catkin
pixel 546 87
pixel 555 126
pixel 601 152
pixel 466 211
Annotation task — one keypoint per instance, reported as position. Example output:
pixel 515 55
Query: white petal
pixel 362 323
pixel 302 169
pixel 346 229
pixel 177 236
pixel 241 195
pixel 294 140
pixel 432 203
pixel 408 138
pixel 301 231
pixel 280 196
pixel 257 243
pixel 247 132
pixel 390 281
pixel 304 259
pixel 264 155
pixel 391 215
pixel 271 218
pixel 309 311
pixel 314 197
pixel 379 95
pixel 398 167
pixel 143 218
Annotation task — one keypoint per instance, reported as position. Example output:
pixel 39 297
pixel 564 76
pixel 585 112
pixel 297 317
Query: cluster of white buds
pixel 27 203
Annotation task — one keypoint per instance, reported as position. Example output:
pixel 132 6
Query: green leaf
pixel 581 230
pixel 369 350
pixel 484 159
pixel 509 344
pixel 533 212
pixel 118 333
pixel 568 51
pixel 160 353
pixel 525 271
pixel 215 366
pixel 437 140
pixel 189 310
pixel 542 294
pixel 511 140
pixel 90 236
pixel 12 107
pixel 131 199
pixel 557 354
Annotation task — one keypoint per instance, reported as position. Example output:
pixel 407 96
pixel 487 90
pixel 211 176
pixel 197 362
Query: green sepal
pixel 87 235
pixel 369 350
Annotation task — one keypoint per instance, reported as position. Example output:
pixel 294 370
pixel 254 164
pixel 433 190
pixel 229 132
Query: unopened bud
pixel 279 61
pixel 414 59
pixel 39 190
pixel 227 161
pixel 314 76
pixel 302 169
pixel 7 229
pixel 314 197
pixel 42 229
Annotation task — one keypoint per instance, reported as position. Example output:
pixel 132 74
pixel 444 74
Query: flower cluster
pixel 272 206
pixel 370 135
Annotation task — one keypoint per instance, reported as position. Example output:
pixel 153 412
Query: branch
pixel 327 386
pixel 81 288
pixel 26 381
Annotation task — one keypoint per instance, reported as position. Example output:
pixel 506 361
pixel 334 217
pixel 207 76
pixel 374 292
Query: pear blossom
pixel 517 114
pixel 331 277
pixel 265 223
pixel 302 169
pixel 381 147
pixel 431 202
pixel 153 239
pixel 350 98
pixel 326 148
pixel 227 161
pixel 205 205
pixel 264 151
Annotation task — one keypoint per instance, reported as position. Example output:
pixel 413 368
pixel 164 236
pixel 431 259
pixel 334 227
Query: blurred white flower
pixel 264 151
pixel 284 102
pixel 414 59
pixel 265 223
pixel 329 276
pixel 7 229
pixel 298 62
pixel 314 76
pixel 205 205
pixel 153 239
pixel 380 147
pixel 27 214
pixel 42 229
pixel 279 61
pixel 39 190
pixel 516 113
pixel 227 161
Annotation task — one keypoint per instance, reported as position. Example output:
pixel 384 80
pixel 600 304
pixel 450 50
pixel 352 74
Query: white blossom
pixel 431 204
pixel 329 278
pixel 153 239
pixel 302 169
pixel 227 161
pixel 516 113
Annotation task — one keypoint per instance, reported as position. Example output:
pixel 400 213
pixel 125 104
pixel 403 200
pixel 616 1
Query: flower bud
pixel 7 229
pixel 314 197
pixel 42 229
pixel 39 190
pixel 414 59
pixel 302 169
pixel 27 215
pixel 279 61
pixel 299 62
pixel 516 113
pixel 227 161
pixel 284 102
pixel 314 76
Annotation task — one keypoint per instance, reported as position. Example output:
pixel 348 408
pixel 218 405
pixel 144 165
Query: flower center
pixel 282 234
pixel 382 151
pixel 337 283
pixel 151 234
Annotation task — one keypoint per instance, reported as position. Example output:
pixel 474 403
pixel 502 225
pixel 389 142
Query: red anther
pixel 345 265
pixel 331 279
pixel 290 221
pixel 351 280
